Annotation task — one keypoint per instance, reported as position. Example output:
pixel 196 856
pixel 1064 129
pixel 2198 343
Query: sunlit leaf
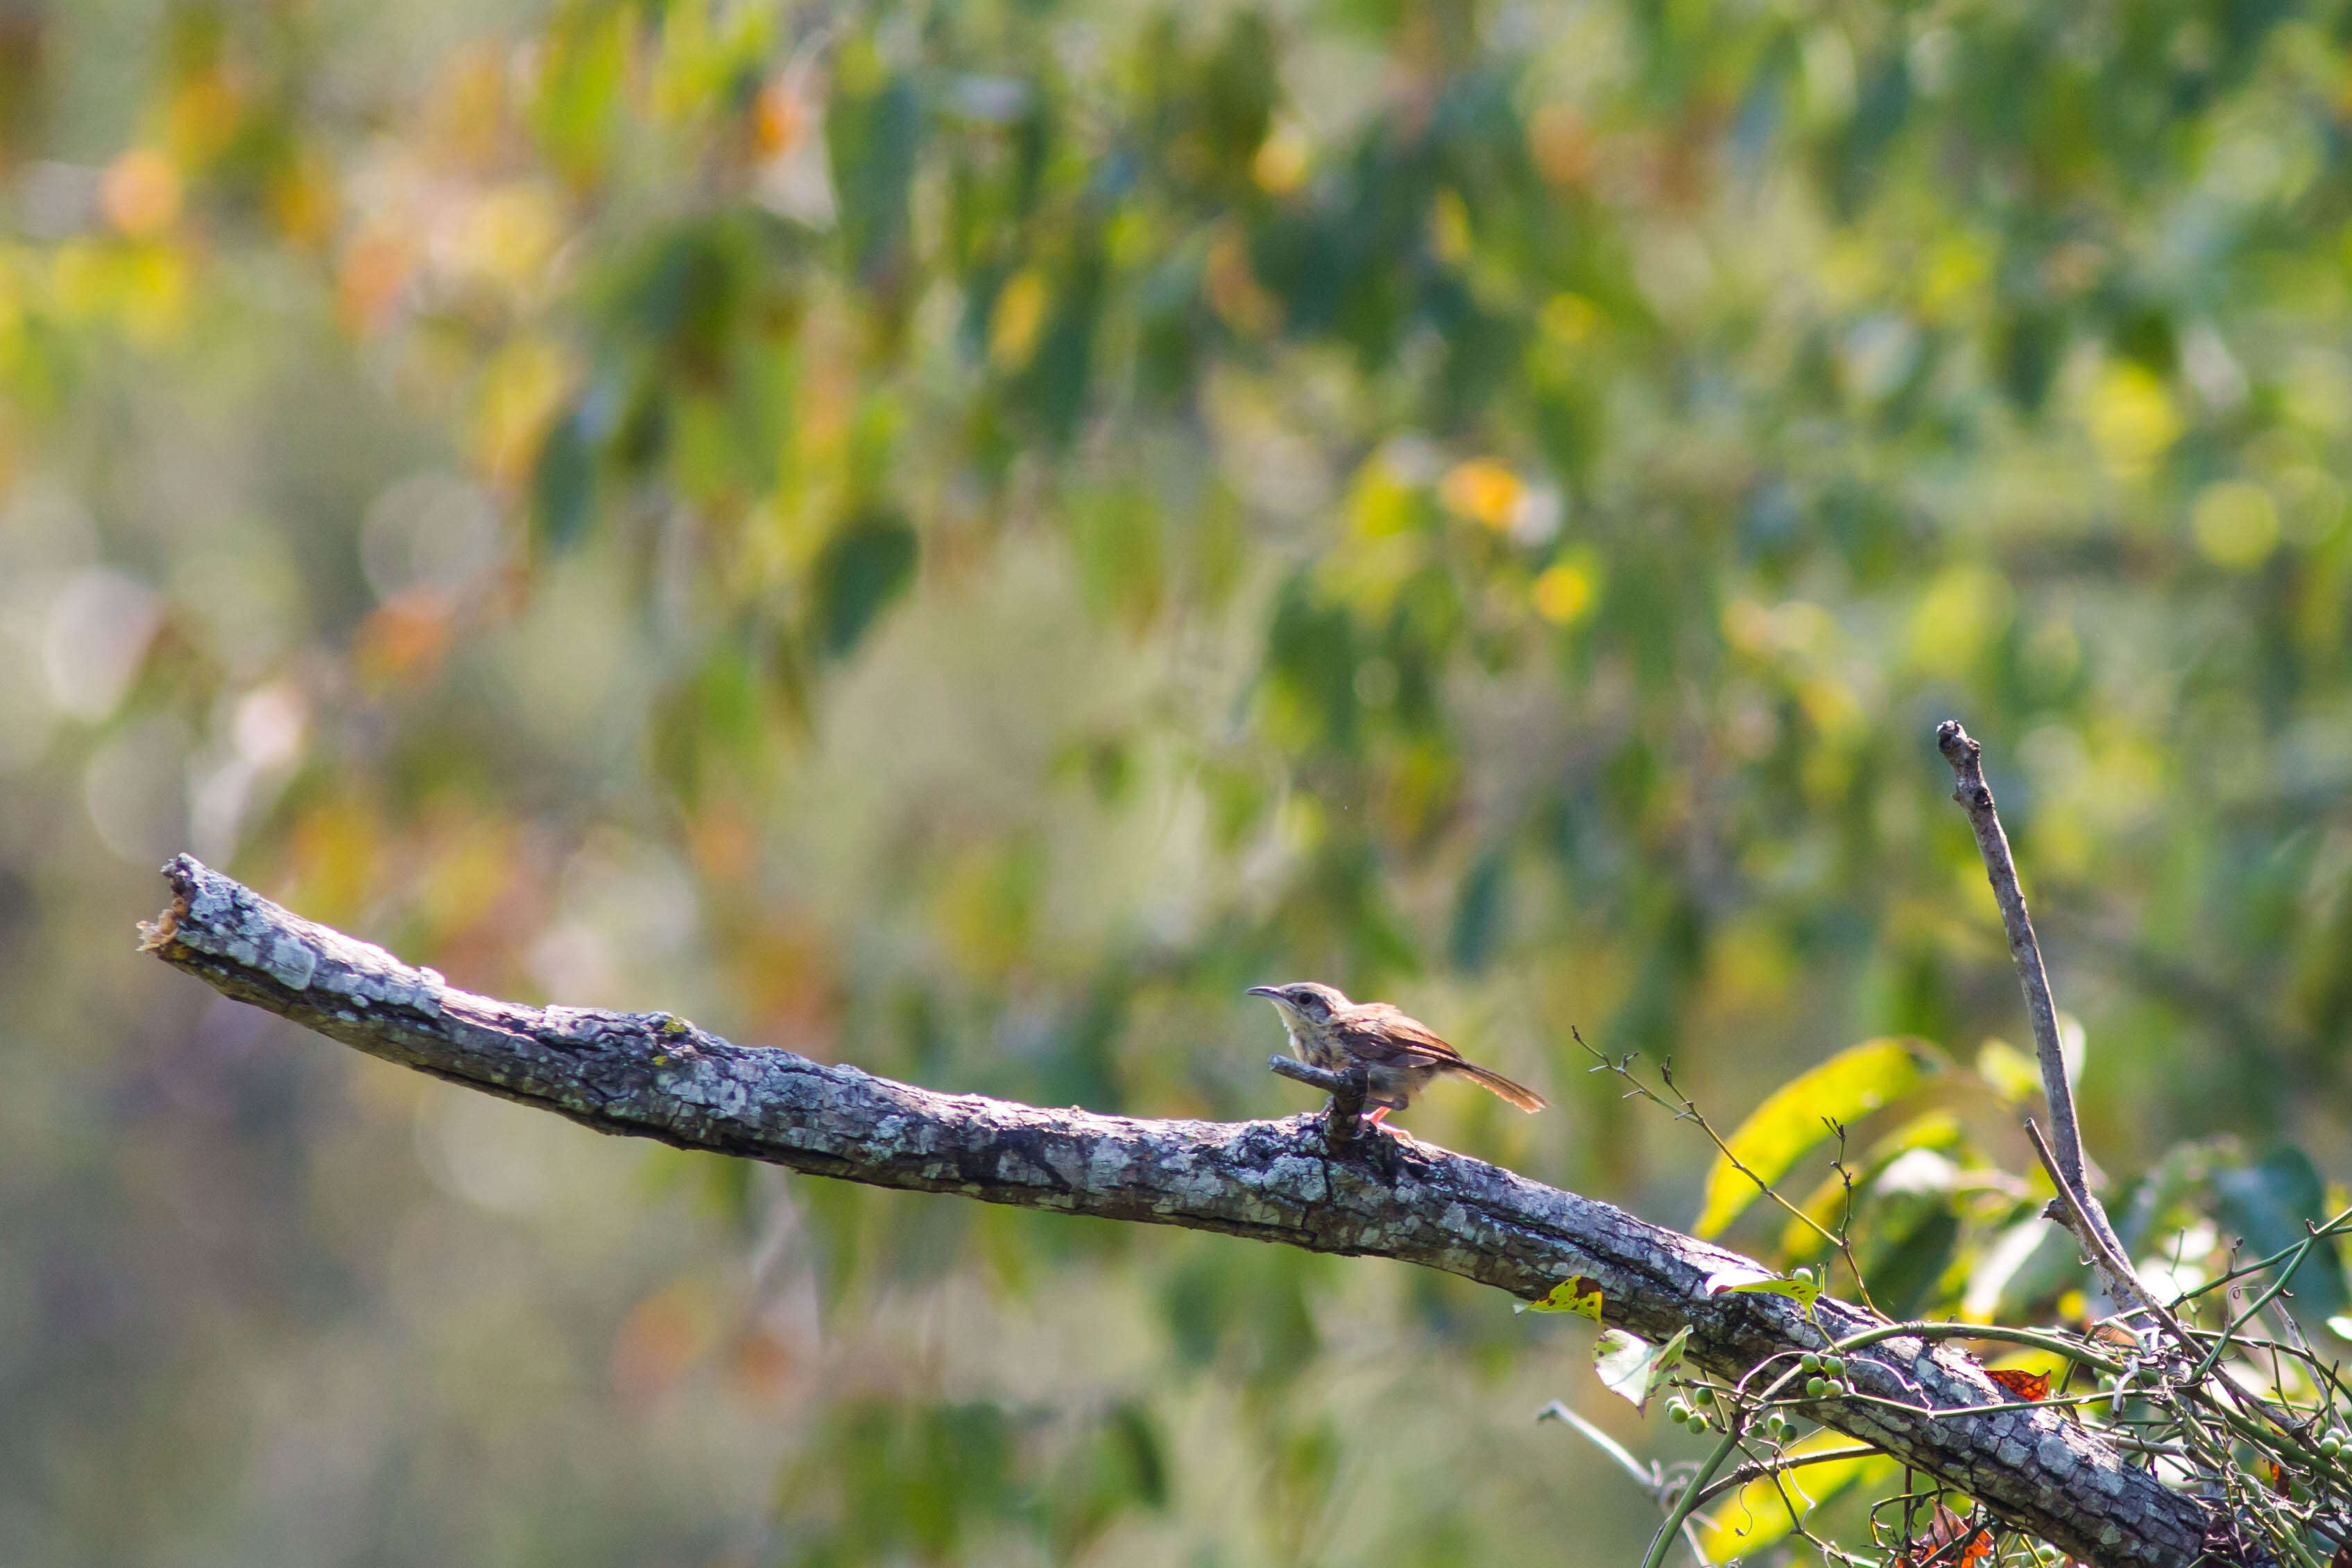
pixel 2021 1383
pixel 2022 1261
pixel 1634 1369
pixel 584 69
pixel 2031 1375
pixel 1936 1130
pixel 1848 1086
pixel 1578 1295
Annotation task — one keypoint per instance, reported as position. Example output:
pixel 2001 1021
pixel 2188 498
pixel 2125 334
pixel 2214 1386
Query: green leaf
pixel 2268 1203
pixel 1478 912
pixel 563 482
pixel 1848 1086
pixel 1576 1294
pixel 582 73
pixel 1632 1368
pixel 863 569
pixel 873 124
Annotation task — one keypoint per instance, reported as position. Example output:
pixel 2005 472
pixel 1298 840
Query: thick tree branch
pixel 657 1076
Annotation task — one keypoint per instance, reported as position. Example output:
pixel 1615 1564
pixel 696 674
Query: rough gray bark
pixel 657 1076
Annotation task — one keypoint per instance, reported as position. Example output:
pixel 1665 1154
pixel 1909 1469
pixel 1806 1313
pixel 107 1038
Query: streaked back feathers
pixel 1399 1051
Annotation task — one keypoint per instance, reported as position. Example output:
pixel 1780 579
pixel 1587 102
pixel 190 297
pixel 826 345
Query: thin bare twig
pixel 1975 796
pixel 1683 1108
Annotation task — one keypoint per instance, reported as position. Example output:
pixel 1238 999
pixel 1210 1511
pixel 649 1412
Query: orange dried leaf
pixel 2022 1385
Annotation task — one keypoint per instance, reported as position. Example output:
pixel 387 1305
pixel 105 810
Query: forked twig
pixel 1683 1108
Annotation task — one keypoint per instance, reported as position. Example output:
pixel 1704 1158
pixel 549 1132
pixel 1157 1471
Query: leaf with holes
pixel 1575 1294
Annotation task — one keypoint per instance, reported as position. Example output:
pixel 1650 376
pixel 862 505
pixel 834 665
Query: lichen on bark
pixel 659 1076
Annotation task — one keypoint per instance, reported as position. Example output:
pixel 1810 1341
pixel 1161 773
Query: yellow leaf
pixel 1849 1085
pixel 1017 320
pixel 1575 1294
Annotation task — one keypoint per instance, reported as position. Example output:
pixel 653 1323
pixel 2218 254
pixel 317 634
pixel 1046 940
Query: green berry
pixel 1836 1389
pixel 1808 1362
pixel 1703 1394
pixel 2331 1445
pixel 1816 1387
pixel 1834 1365
pixel 1677 1412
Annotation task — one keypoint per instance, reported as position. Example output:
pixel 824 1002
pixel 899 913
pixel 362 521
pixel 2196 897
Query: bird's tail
pixel 1518 1094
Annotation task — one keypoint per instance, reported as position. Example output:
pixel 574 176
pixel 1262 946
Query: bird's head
pixel 1304 999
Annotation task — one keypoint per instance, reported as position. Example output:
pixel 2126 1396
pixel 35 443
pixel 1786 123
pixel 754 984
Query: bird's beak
pixel 1268 992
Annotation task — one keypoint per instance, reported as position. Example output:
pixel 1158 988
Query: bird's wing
pixel 1377 1032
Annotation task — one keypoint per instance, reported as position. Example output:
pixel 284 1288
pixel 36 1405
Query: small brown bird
pixel 1399 1055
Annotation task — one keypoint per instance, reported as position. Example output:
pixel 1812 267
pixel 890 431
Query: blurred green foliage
pixel 955 538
